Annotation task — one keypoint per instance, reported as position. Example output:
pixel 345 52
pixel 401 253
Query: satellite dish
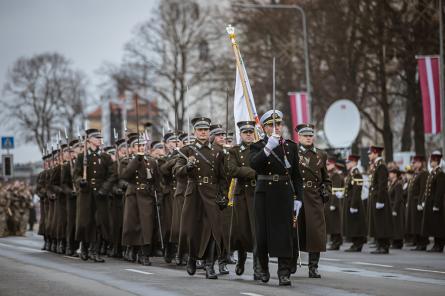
pixel 342 124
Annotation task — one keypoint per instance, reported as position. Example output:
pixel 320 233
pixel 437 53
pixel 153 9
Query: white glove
pixel 339 194
pixel 273 142
pixel 379 206
pixel 435 209
pixel 297 206
pixel 353 211
pixel 423 204
pixel 332 208
pixel 419 208
pixel 394 214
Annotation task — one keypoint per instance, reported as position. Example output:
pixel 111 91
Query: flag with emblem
pixel 429 78
pixel 299 106
pixel 241 107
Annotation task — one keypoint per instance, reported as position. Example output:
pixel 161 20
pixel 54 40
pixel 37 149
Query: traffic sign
pixel 7 142
pixel 7 165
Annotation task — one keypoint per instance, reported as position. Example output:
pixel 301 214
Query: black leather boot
pixel 284 280
pixel 191 266
pixel 54 246
pixel 313 273
pixel 168 254
pixel 222 266
pixel 145 259
pixel 313 265
pixel 256 268
pixel 96 252
pixel 132 254
pixel 210 261
pixel 239 268
pixel 84 251
pixel 45 242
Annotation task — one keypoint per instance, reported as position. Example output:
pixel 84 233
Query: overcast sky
pixel 88 32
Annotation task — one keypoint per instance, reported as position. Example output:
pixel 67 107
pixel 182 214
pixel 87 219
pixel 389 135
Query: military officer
pixel 278 196
pixel 432 204
pixel 317 190
pixel 380 214
pixel 218 139
pixel 414 209
pixel 354 221
pixel 71 192
pixel 243 226
pixel 94 180
pixel 143 179
pixel 204 196
pixel 333 208
pixel 397 207
pixel 168 182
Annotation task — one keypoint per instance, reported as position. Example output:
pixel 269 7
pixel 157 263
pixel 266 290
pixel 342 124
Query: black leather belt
pixel 274 178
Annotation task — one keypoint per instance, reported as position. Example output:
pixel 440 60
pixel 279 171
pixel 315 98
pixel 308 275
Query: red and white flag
pixel 429 78
pixel 299 106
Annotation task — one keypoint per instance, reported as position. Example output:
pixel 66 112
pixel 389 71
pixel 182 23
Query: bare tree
pixel 175 49
pixel 43 94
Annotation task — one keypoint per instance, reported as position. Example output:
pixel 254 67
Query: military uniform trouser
pixel 358 241
pixel 383 243
pixel 314 258
pixel 284 265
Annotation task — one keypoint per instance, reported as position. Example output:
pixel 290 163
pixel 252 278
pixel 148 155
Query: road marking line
pixel 250 294
pixel 329 259
pixel 23 248
pixel 372 264
pixel 69 257
pixel 138 271
pixel 426 270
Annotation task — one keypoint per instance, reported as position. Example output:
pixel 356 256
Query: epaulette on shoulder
pixel 291 141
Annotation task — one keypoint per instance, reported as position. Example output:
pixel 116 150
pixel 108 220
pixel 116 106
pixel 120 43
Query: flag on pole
pixel 240 109
pixel 429 78
pixel 299 106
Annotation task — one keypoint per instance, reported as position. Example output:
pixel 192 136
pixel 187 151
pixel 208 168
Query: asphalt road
pixel 26 270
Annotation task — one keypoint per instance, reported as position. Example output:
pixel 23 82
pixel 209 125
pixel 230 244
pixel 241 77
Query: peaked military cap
pixel 246 125
pixel 201 122
pixel 305 129
pixel 269 116
pixel 216 129
pixel 93 133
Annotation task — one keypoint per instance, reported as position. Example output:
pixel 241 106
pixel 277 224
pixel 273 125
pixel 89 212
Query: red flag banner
pixel 429 78
pixel 299 106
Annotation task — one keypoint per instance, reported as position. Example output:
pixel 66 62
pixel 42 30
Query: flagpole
pixel 441 66
pixel 231 32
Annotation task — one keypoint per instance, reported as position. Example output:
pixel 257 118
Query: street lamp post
pixel 305 39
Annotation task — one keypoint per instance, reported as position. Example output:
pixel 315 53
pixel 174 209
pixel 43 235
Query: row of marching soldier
pixel 399 207
pixel 195 199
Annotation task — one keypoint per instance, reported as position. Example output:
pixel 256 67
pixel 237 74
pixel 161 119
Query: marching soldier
pixel 397 206
pixel 116 201
pixel 354 222
pixel 41 192
pixel 172 143
pixel 278 193
pixel 414 210
pixel 204 198
pixel 243 226
pixel 5 210
pixel 54 181
pixel 142 176
pixel 379 208
pixel 317 190
pixel 333 208
pixel 432 204
pixel 218 140
pixel 71 192
pixel 94 178
pixel 177 233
